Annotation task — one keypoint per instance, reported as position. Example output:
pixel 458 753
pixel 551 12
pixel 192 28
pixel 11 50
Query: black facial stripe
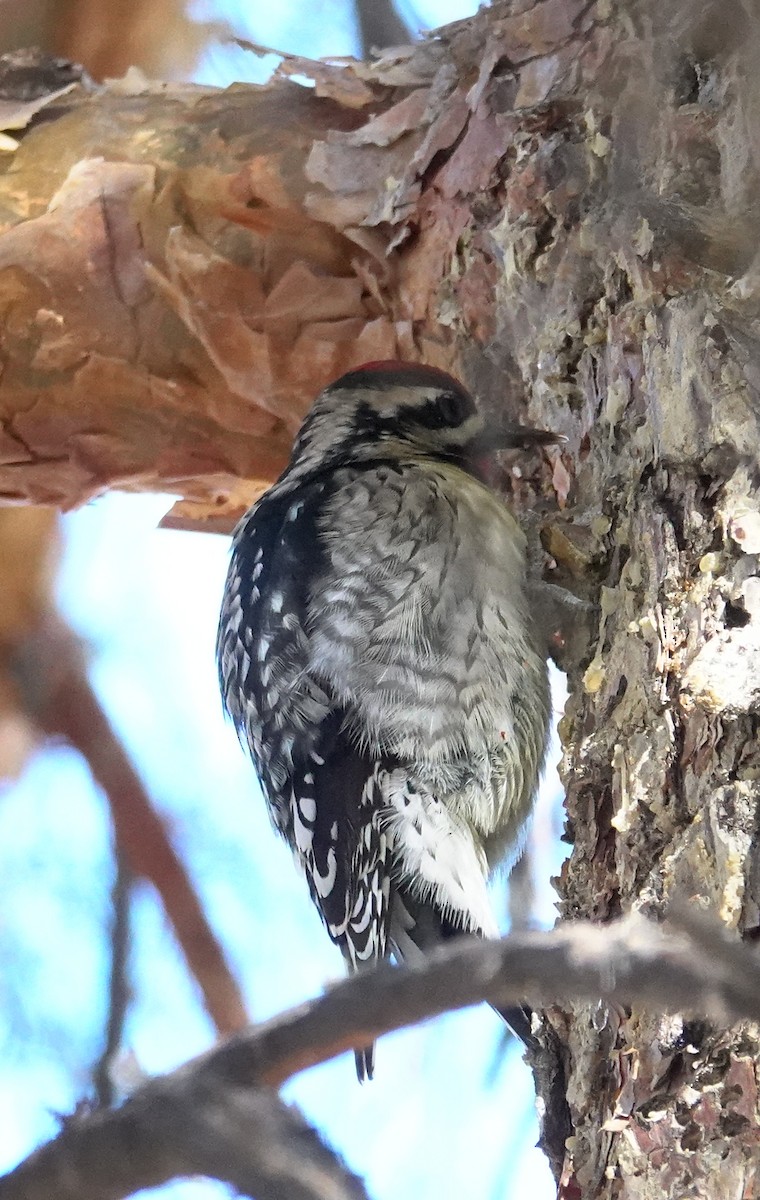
pixel 448 410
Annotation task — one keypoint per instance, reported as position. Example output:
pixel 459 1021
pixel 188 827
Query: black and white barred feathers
pixel 377 656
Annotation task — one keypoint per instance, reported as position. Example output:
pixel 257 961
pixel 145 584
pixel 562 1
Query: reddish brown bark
pixel 237 254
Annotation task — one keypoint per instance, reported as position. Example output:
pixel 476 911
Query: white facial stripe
pixel 387 402
pixel 461 434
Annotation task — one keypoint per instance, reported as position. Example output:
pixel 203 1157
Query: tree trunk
pixel 558 202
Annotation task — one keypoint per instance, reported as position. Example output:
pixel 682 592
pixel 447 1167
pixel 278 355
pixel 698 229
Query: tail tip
pixel 365 1064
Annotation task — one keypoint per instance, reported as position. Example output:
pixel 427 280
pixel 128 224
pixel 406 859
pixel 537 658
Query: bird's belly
pixel 481 755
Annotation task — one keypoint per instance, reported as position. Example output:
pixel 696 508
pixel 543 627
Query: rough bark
pixel 237 258
pixel 558 201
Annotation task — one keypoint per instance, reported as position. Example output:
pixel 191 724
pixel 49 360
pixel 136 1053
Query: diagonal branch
pixel 246 1137
pixel 64 705
pixel 109 1155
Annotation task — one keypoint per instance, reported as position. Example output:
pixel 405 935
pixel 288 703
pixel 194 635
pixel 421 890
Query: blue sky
pixel 448 1114
pixel 147 602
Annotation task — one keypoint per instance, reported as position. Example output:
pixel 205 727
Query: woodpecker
pixel 378 657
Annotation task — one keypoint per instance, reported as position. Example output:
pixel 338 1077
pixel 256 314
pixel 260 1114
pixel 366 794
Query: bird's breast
pixel 421 624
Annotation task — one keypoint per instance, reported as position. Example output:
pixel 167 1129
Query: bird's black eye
pixel 449 407
pixel 447 410
pixel 443 412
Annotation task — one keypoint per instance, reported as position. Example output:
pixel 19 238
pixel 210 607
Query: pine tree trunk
pixel 559 202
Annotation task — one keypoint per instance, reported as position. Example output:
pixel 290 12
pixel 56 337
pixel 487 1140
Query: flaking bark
pixel 558 202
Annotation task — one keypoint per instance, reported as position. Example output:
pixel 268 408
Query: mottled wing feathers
pixel 324 792
pixel 348 844
pixel 262 646
pixel 347 862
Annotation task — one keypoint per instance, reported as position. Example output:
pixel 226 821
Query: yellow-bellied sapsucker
pixel 378 657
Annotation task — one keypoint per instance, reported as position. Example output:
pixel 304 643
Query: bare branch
pixel 65 705
pixel 631 962
pixel 202 1126
pixel 118 985
pixel 249 1138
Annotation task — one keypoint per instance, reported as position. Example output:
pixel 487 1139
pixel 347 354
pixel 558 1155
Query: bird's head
pixel 408 410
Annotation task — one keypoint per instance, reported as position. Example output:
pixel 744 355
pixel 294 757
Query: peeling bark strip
pixel 242 248
pixel 559 200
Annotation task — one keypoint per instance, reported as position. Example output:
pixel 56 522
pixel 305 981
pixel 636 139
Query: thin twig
pixel 118 983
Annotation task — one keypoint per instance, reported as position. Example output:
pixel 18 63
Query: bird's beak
pixel 513 437
pixel 526 436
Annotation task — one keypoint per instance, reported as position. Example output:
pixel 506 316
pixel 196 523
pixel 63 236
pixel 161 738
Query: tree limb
pixel 243 248
pixel 54 683
pixel 696 970
pixel 244 1136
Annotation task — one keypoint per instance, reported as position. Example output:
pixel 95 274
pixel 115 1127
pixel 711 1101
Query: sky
pixel 147 600
pixel 450 1112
